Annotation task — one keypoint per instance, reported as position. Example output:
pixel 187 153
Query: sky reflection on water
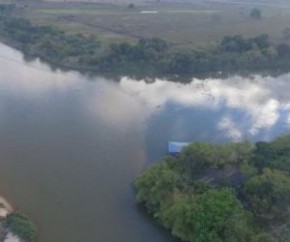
pixel 69 142
pixel 256 108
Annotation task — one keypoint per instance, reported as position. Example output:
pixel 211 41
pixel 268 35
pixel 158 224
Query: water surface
pixel 71 145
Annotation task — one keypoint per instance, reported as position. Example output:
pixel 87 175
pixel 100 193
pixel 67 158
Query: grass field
pixel 183 24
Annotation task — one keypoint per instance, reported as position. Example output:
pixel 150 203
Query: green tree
pixel 178 214
pixel 269 193
pixel 131 6
pixel 156 186
pixel 195 158
pixel 275 154
pixel 220 217
pixel 256 14
pixel 21 225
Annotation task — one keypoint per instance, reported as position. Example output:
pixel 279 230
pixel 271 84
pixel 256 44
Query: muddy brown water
pixel 70 146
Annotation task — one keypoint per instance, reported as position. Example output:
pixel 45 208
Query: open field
pixel 184 24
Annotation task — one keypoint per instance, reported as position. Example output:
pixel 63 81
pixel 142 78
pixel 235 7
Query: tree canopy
pixel 256 14
pixel 222 193
pixel 21 225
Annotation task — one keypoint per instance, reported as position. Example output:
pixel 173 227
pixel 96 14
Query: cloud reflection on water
pixel 90 133
pixel 264 101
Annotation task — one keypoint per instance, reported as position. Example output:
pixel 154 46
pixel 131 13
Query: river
pixel 71 145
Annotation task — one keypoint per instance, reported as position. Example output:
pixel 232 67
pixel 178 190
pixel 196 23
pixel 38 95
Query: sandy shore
pixel 5 207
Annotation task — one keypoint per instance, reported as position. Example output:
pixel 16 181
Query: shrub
pixel 21 225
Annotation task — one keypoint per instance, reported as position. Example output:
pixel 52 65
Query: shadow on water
pixel 149 78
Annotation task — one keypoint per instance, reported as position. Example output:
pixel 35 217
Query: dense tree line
pixel 154 55
pixel 46 42
pixel 222 193
pixel 234 53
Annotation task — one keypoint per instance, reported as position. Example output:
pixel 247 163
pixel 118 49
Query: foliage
pixel 131 6
pixel 21 225
pixel 152 55
pixel 256 14
pixel 186 196
pixel 48 42
pixel 221 217
pixel 269 193
pixel 212 216
pixel 178 215
pixel 233 53
pixel 157 184
pixel 274 154
pixel 197 157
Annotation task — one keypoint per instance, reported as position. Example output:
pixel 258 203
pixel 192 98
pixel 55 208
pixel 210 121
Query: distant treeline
pixel 48 43
pixel 222 193
pixel 154 55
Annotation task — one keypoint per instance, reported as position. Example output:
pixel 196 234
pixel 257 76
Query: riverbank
pixel 5 207
pixel 86 53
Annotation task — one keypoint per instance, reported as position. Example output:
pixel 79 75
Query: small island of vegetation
pixel 222 193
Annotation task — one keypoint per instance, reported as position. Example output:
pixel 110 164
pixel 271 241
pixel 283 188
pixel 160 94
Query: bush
pixel 21 225
pixel 256 14
pixel 131 6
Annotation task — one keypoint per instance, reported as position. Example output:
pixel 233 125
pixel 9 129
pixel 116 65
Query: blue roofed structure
pixel 174 148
